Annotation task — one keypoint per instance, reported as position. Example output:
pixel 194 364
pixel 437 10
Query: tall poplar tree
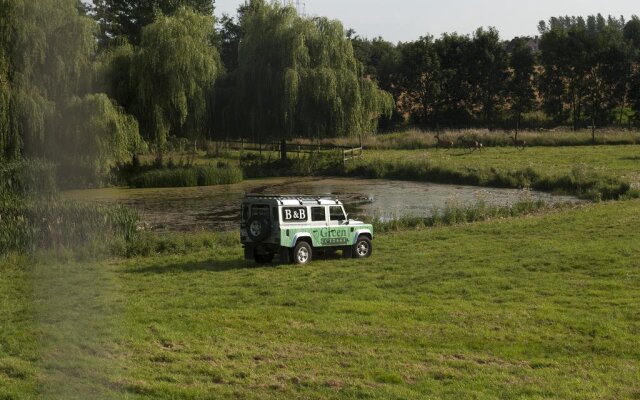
pixel 488 65
pixel 521 88
pixel 419 80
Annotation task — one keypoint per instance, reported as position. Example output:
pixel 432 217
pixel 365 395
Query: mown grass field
pixel 536 307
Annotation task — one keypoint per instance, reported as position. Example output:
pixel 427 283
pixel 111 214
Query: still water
pixel 217 208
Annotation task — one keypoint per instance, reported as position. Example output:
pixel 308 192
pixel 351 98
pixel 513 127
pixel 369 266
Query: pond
pixel 217 208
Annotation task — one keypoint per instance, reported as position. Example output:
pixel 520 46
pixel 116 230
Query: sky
pixel 405 20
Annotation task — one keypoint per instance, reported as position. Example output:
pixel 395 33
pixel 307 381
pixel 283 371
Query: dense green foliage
pixel 48 109
pixel 125 19
pixel 584 71
pixel 536 307
pixel 587 65
pixel 33 217
pixel 28 226
pixel 199 175
pixel 96 136
pixel 173 73
pixel 46 49
pixel 296 76
pixel 26 180
pixel 521 88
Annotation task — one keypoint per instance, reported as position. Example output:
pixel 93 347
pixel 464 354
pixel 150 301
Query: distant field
pixel 591 172
pixel 535 307
pixel 617 161
pixel 419 139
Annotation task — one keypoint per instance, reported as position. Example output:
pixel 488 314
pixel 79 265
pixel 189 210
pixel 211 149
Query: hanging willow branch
pixel 297 77
pixel 174 71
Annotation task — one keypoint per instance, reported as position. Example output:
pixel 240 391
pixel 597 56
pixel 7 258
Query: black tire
pixel 302 253
pixel 258 228
pixel 362 248
pixel 263 258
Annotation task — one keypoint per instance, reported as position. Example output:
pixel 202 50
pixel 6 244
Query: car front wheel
pixel 362 248
pixel 302 253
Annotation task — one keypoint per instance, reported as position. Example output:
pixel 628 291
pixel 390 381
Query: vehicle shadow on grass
pixel 202 266
pixel 218 265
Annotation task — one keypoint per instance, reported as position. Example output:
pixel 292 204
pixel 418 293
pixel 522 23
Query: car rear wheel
pixel 302 253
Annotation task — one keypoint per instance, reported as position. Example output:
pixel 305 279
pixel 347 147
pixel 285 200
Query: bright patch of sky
pixel 405 20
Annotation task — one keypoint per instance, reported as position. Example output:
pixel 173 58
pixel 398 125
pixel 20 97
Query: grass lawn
pixel 535 307
pixel 617 161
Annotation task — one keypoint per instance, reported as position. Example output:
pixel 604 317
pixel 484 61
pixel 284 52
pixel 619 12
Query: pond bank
pixel 217 207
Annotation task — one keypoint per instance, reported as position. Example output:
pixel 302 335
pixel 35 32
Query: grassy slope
pixel 618 161
pixel 614 161
pixel 538 307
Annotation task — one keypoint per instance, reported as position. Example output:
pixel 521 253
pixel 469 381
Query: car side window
pixel 336 213
pixel 318 214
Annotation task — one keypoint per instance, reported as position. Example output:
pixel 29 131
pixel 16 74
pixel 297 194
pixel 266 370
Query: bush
pixel 583 181
pixel 200 175
pixel 27 178
pixel 454 214
pixel 56 224
pixel 313 164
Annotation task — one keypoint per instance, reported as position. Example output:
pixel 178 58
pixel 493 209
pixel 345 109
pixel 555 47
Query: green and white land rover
pixel 296 227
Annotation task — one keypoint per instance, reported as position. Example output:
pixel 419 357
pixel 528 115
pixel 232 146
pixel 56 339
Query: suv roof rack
pixel 299 197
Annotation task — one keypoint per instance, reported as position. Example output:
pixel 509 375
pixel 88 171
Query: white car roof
pixel 293 200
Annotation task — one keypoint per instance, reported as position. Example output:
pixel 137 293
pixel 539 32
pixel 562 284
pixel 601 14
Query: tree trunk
pixel 283 150
pixel 593 118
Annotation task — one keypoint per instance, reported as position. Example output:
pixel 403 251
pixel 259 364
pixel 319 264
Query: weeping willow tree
pixel 297 77
pixel 174 71
pixel 95 137
pixel 47 50
pixel 8 138
pixel 113 73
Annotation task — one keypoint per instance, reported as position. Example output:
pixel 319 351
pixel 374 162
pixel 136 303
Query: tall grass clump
pixel 151 243
pixel 312 164
pixel 583 181
pixel 187 176
pixel 454 214
pixel 414 139
pixel 32 217
pixel 56 224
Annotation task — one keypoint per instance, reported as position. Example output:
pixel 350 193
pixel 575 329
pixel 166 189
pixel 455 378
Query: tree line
pixel 88 86
pixel 580 72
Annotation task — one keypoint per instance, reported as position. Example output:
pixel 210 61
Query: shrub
pixel 583 181
pixel 454 214
pixel 200 175
pixel 56 224
pixel 27 178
